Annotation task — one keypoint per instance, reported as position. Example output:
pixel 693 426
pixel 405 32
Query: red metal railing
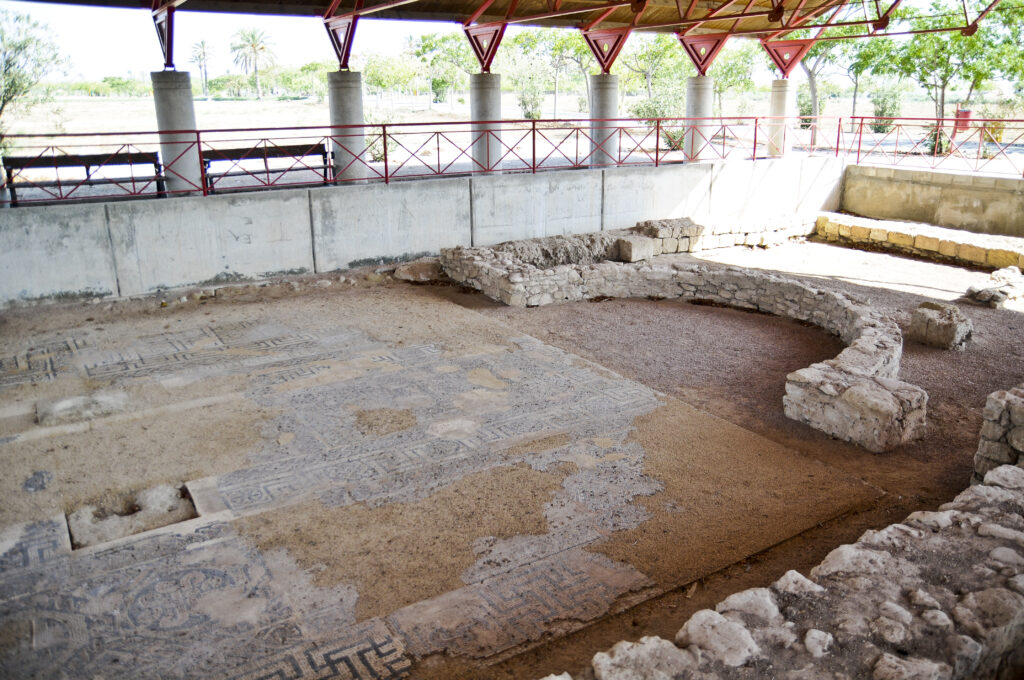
pixel 49 168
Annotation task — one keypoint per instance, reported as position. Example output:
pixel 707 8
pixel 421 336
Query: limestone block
pixel 879 235
pixel 420 271
pixel 670 245
pixel 966 251
pixel 940 325
pixel 947 248
pixel 868 412
pixel 652 658
pixel 76 409
pixel 858 233
pixel 724 640
pixel 1001 258
pixel 635 248
pixel 929 243
pixel 900 239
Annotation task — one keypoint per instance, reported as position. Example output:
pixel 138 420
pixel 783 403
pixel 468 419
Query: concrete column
pixel 604 105
pixel 700 93
pixel 783 105
pixel 345 96
pixel 179 153
pixel 485 104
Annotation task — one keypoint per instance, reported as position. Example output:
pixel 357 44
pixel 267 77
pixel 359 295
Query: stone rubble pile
pixel 1007 284
pixel 856 396
pixel 939 596
pixel 923 240
pixel 1002 433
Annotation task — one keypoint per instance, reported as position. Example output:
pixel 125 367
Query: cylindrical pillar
pixel 604 109
pixel 783 107
pixel 345 96
pixel 700 129
pixel 485 105
pixel 179 153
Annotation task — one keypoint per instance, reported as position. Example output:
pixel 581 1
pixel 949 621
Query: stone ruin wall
pixel 939 596
pixel 856 396
pixel 1002 433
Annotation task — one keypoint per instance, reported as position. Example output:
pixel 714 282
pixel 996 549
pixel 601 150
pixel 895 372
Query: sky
pixel 83 35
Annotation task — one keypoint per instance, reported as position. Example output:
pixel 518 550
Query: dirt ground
pixel 733 364
pixel 721 372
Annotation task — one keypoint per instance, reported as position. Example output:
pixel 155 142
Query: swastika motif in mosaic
pixel 365 652
pixel 42 362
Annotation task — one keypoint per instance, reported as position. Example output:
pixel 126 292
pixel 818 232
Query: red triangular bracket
pixel 702 49
pixel 606 44
pixel 342 30
pixel 163 20
pixel 786 54
pixel 485 40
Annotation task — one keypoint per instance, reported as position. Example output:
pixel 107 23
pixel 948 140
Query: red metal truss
pixel 341 28
pixel 163 20
pixel 606 44
pixel 485 40
pixel 786 54
pixel 702 49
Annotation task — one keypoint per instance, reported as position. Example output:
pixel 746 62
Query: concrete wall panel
pixel 821 184
pixel 635 194
pixel 985 205
pixel 359 223
pixel 512 207
pixel 755 189
pixel 60 250
pixel 181 241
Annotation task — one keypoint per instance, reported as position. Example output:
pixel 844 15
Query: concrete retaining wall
pixel 137 247
pixel 939 596
pixel 987 205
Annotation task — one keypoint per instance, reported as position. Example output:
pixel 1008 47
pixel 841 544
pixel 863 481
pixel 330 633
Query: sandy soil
pixel 733 364
pixel 401 553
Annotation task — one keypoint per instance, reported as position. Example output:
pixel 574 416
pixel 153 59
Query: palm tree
pixel 252 50
pixel 201 58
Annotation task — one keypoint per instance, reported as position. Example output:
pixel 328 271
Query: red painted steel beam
pixel 163 21
pixel 702 49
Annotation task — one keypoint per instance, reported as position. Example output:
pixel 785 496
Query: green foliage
pixel 201 53
pixel 936 61
pixel 375 140
pixel 887 103
pixel 125 87
pixel 526 62
pixel 447 60
pixel 732 70
pixel 385 73
pixel 26 57
pixel 252 52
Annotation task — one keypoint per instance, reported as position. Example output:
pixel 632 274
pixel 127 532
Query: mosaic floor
pixel 198 599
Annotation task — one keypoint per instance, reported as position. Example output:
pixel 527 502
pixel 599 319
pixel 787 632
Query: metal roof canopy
pixel 702 26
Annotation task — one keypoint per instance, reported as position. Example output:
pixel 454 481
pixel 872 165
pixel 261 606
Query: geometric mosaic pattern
pixel 198 601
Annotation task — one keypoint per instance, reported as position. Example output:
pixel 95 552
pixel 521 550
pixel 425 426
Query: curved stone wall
pixel 939 596
pixel 856 396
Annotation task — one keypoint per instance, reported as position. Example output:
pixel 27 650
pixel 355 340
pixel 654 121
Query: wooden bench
pixel 265 153
pixel 15 166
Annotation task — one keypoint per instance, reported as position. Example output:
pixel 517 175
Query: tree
pixel 661 66
pixel 201 57
pixel 26 57
pixel 526 60
pixel 252 50
pixel 568 47
pixel 388 73
pixel 732 70
pixel 861 56
pixel 448 58
pixel 936 61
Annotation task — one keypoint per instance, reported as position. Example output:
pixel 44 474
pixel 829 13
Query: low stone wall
pixel 1002 434
pixel 940 596
pixel 856 396
pixel 922 240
